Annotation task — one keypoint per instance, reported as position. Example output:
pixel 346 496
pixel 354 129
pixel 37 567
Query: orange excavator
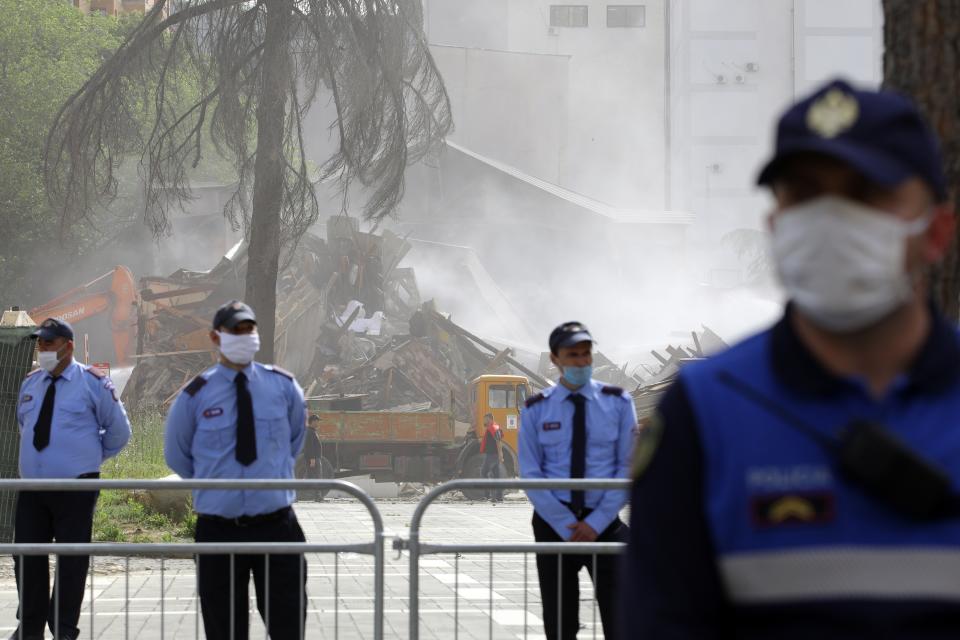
pixel 120 301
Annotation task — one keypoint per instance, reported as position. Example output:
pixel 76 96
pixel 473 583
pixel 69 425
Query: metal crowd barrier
pixel 373 548
pixel 418 548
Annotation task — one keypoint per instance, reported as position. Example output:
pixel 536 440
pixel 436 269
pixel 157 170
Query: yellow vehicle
pixel 419 447
pixel 501 395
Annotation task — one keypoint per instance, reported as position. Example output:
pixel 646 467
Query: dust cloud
pixel 595 173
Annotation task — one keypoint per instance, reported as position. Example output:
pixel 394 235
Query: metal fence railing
pixel 172 594
pixel 417 548
pixel 165 551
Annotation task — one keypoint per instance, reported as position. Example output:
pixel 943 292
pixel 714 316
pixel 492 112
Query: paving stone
pixel 454 591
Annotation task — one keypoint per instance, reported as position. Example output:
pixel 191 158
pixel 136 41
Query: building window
pixel 502 396
pixel 568 15
pixel 626 15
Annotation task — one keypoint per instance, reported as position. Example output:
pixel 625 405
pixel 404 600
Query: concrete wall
pixel 478 24
pixel 734 67
pixel 114 7
pixel 614 132
pixel 511 106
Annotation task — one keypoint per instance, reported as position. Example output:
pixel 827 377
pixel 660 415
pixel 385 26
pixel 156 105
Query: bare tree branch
pixel 212 71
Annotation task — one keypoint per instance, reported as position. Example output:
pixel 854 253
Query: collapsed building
pixel 351 325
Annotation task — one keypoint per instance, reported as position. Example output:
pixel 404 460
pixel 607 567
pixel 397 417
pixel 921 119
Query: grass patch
pixel 120 515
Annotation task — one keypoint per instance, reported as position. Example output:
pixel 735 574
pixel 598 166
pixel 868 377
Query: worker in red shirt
pixel 491 446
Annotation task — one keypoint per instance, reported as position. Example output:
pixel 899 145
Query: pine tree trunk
pixel 922 60
pixel 263 256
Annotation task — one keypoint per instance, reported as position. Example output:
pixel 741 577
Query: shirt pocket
pixel 214 433
pixel 555 443
pixel 273 429
pixel 26 410
pixel 603 434
pixel 76 419
pixel 602 443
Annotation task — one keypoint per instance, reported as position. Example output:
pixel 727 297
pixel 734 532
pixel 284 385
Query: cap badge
pixel 833 113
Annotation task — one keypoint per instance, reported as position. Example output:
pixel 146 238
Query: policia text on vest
pixel 871 457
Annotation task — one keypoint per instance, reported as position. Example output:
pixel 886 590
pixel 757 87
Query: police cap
pixel 569 334
pixel 233 313
pixel 52 328
pixel 881 134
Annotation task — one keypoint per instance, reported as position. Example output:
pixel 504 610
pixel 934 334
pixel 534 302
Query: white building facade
pixel 660 105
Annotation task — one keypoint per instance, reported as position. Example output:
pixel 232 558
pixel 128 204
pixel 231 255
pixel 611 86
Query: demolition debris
pixel 352 327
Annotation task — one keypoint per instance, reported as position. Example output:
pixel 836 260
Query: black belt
pixel 248 521
pixel 579 513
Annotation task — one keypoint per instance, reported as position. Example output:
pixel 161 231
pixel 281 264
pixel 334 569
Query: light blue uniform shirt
pixel 89 424
pixel 200 437
pixel 546 437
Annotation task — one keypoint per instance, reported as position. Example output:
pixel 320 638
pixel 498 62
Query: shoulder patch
pixel 96 373
pixel 195 385
pixel 534 399
pixel 275 369
pixel 108 385
pixel 610 390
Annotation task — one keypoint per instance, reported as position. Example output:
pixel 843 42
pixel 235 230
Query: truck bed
pixel 385 426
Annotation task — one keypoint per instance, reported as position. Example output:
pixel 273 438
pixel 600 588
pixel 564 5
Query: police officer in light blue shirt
pixel 70 421
pixel 579 428
pixel 242 419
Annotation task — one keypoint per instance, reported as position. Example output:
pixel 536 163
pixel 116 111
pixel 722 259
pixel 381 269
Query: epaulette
pixel 34 372
pixel 534 399
pixel 610 390
pixel 195 385
pixel 96 373
pixel 274 368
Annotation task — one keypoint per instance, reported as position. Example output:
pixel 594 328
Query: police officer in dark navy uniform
pixel 579 428
pixel 242 419
pixel 70 421
pixel 804 484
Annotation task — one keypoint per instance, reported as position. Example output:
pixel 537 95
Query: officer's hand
pixel 582 532
pixel 313 462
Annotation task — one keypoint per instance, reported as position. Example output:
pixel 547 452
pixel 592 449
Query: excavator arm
pixel 84 302
pixel 75 311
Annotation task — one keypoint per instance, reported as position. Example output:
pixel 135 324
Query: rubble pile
pixel 352 327
pixel 648 393
pixel 350 322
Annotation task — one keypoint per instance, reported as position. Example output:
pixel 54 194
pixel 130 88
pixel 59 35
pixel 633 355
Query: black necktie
pixel 41 430
pixel 246 434
pixel 578 452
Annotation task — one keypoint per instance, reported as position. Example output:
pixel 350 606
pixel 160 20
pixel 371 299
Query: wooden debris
pixel 421 360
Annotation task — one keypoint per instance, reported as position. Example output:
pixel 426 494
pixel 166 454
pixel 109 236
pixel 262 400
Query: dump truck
pixel 418 446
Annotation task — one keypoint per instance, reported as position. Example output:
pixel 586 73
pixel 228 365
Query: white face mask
pixel 48 360
pixel 239 349
pixel 843 263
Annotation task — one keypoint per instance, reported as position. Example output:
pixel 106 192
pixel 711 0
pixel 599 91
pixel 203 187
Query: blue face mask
pixel 577 376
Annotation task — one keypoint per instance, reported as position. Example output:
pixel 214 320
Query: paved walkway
pixel 455 593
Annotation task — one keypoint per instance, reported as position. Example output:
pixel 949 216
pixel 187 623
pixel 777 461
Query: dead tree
pixel 922 59
pixel 244 73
